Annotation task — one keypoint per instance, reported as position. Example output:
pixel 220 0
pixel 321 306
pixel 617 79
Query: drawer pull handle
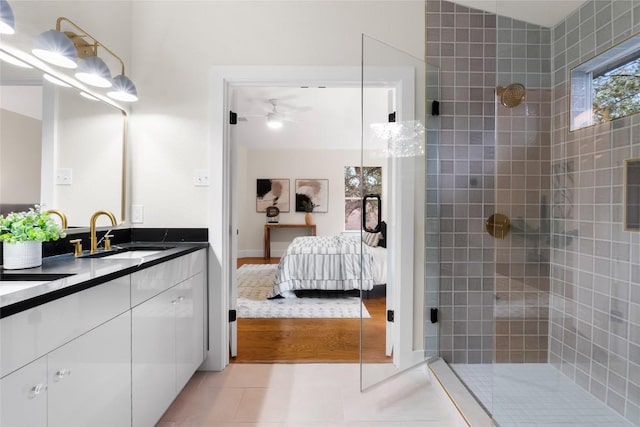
pixel 177 300
pixel 37 390
pixel 63 373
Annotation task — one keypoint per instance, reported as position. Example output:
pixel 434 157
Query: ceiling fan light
pixel 56 48
pixel 93 71
pixel 274 120
pixel 123 89
pixel 7 19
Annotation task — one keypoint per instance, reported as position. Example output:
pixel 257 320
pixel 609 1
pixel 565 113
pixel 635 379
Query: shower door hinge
pixel 434 315
pixel 390 315
pixel 233 118
pixel 392 117
pixel 232 316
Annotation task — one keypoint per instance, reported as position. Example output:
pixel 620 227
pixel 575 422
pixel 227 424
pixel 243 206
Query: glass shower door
pixel 392 189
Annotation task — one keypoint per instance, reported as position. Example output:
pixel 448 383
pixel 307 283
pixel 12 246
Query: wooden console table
pixel 267 234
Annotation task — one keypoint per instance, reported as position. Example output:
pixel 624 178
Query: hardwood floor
pixel 312 340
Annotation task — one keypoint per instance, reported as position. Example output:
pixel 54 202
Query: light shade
pixel 93 71
pixel 7 20
pixel 56 48
pixel 274 120
pixel 123 89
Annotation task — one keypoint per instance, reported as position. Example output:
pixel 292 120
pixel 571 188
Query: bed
pixel 330 263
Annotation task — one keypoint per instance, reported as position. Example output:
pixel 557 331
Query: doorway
pixel 318 141
pixel 410 342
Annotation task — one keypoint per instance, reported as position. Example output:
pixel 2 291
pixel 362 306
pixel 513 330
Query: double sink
pixel 19 280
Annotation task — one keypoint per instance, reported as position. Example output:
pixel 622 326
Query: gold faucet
pixel 94 239
pixel 63 217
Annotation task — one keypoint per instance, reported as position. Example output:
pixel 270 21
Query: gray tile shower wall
pixel 595 263
pixel 461 42
pixel 490 159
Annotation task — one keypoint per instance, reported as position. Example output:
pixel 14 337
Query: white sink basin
pixel 131 255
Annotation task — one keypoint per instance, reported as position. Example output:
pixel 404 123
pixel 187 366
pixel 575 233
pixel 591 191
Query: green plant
pixel 308 205
pixel 32 225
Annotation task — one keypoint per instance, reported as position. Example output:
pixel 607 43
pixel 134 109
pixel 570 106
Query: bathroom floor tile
pixel 308 395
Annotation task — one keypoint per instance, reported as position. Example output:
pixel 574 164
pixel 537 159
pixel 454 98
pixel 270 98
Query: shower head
pixel 512 95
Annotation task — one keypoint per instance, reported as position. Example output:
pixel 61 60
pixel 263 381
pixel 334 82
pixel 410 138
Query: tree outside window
pixel 359 181
pixel 616 92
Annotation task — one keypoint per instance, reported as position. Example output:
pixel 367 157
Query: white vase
pixel 21 255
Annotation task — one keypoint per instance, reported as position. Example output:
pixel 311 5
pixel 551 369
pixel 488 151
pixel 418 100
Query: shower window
pixel 607 87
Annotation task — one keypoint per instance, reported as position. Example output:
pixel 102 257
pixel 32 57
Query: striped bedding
pixel 323 263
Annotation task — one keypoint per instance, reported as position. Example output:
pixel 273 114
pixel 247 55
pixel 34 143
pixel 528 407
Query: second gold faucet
pixel 94 218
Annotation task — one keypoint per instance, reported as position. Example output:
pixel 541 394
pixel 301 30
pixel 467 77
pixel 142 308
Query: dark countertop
pixel 17 296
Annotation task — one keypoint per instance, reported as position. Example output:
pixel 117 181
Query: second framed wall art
pixel 312 195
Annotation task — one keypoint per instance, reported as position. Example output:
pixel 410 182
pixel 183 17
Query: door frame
pixel 222 78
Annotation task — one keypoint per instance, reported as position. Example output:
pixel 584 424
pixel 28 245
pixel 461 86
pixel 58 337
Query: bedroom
pixel 304 148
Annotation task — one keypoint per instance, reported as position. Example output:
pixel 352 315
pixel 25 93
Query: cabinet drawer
pixel 23 396
pixel 151 281
pixel 35 332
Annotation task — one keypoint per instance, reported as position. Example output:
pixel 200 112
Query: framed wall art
pixel 272 192
pixel 312 195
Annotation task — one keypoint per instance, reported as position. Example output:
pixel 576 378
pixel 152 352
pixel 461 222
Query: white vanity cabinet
pixel 23 396
pixel 84 381
pixel 97 359
pixel 167 334
pixel 90 378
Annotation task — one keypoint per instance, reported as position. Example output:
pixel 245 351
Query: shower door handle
pixel 365 205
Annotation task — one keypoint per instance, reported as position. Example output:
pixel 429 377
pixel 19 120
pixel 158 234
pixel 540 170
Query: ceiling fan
pixel 275 118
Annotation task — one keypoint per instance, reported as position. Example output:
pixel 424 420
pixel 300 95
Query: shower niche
pixel 632 195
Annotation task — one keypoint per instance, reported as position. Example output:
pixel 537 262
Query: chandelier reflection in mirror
pixel 79 50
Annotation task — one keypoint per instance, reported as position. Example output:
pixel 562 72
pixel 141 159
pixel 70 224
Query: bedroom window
pixel 371 179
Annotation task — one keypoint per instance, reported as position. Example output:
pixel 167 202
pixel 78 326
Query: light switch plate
pixel 137 214
pixel 64 176
pixel 201 178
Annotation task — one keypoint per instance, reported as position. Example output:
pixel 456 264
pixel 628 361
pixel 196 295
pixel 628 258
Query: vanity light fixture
pixel 91 69
pixel 56 48
pixel 7 19
pixel 123 89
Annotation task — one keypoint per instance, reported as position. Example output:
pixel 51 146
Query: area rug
pixel 254 285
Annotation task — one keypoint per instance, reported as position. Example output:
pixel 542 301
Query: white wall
pixel 292 165
pixel 175 44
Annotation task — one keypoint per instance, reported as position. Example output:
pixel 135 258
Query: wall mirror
pixel 607 87
pixel 58 148
pixel 632 194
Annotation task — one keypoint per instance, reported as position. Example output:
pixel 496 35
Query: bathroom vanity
pixel 101 341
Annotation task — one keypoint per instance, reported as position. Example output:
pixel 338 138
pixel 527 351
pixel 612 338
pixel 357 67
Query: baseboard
pixel 258 253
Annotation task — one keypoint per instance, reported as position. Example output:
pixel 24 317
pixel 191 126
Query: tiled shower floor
pixel 535 394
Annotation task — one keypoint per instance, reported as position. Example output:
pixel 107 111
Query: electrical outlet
pixel 137 214
pixel 201 178
pixel 64 176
